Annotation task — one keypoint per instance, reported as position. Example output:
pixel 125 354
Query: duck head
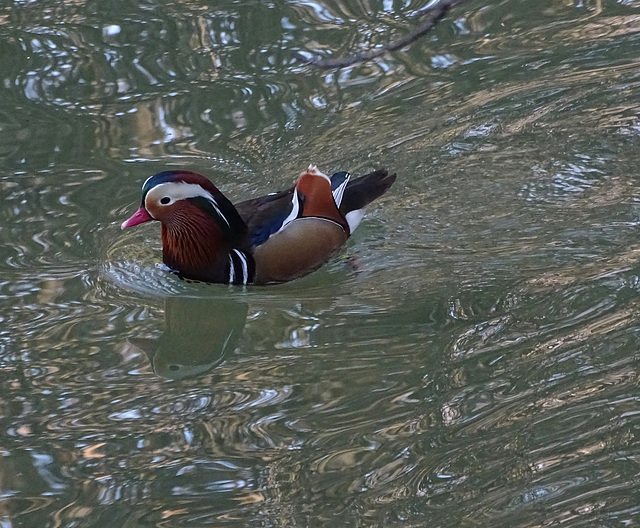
pixel 200 226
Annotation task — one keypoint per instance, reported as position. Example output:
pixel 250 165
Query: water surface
pixel 471 359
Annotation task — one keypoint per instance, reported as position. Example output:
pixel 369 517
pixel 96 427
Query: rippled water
pixel 471 359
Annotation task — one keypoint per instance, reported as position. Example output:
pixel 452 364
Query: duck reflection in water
pixel 199 333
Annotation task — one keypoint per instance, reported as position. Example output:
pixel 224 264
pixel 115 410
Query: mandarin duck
pixel 275 238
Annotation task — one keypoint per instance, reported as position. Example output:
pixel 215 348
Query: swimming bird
pixel 271 239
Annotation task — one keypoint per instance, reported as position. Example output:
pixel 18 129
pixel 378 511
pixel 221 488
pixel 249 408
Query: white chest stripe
pixel 232 271
pixel 245 266
pixel 232 267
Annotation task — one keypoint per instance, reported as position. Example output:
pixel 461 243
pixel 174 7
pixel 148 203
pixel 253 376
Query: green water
pixel 471 359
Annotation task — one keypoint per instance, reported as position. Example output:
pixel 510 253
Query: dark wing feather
pixel 363 190
pixel 338 179
pixel 264 215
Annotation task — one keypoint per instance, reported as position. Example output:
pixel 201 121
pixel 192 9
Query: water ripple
pixel 471 356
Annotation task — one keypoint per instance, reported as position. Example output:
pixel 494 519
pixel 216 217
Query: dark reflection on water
pixel 198 333
pixel 480 367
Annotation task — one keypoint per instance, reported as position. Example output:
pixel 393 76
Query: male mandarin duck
pixel 275 238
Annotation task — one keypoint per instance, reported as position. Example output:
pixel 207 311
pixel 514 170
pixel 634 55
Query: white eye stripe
pixel 177 191
pixel 181 191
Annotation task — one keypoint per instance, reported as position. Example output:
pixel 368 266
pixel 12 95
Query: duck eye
pixel 165 200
